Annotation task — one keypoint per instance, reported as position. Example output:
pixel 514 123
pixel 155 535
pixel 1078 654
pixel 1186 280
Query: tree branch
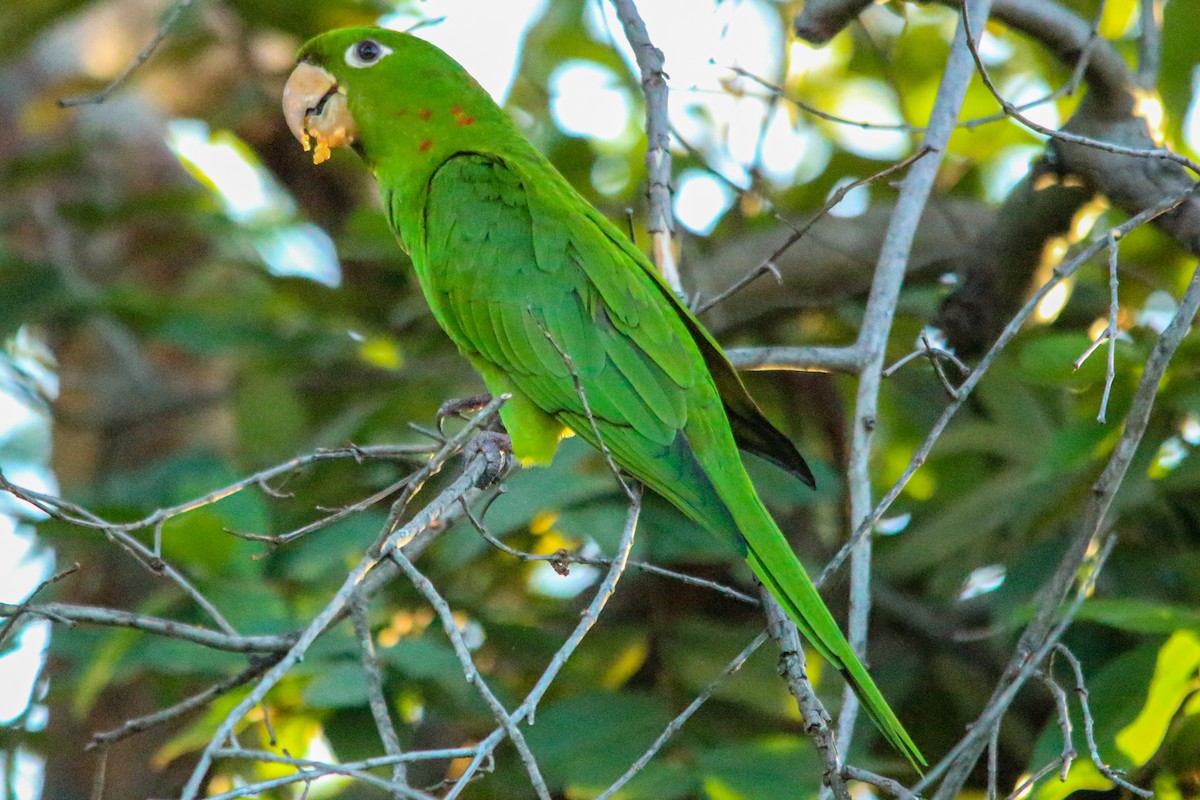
pixel 447 500
pixel 1062 271
pixel 528 708
pixel 376 699
pixel 509 725
pixel 877 325
pixel 794 670
pixel 658 140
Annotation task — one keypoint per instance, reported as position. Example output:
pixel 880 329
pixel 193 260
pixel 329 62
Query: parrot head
pixel 378 90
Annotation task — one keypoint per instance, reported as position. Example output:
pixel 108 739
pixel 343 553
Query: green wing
pixel 513 295
pixel 524 275
pixel 752 431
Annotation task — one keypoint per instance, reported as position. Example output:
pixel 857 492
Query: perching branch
pixel 448 499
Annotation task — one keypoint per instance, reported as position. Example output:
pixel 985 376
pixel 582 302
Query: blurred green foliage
pixel 105 231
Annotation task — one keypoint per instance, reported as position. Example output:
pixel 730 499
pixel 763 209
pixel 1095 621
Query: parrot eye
pixel 366 53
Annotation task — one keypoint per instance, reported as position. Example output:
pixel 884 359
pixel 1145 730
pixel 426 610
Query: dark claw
pixel 496 448
pixel 460 408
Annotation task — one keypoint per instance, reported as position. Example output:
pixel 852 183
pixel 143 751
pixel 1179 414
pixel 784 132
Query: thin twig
pixel 936 356
pixel 1113 310
pixel 1089 726
pixel 683 716
pixel 76 515
pixel 447 754
pixel 198 700
pixel 993 761
pixel 278 540
pixel 309 769
pixel 71 513
pixel 1091 348
pixel 1064 270
pixel 528 708
pixel 768 264
pixel 374 682
pixel 14 612
pixel 1063 712
pixel 1150 43
pixel 562 558
pixel 658 140
pixel 776 91
pixel 314 769
pixel 1108 147
pixel 442 608
pixel 164 30
pixel 1023 788
pixel 112 617
pixel 101 774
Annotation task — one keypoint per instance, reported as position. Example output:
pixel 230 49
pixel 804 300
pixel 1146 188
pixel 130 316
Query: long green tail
pixel 775 564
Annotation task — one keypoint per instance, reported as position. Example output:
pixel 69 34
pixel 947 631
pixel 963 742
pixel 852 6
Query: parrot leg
pixel 496 449
pixel 460 408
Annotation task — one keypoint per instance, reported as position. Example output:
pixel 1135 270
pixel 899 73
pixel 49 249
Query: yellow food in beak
pixel 316 111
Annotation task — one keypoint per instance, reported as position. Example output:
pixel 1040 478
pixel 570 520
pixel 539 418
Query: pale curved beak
pixel 316 111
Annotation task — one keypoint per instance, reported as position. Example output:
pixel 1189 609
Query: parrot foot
pixel 496 449
pixel 460 408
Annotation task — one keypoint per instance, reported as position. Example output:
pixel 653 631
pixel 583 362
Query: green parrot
pixel 520 271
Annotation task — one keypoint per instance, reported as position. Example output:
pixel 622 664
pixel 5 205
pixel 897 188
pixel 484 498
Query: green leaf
pixel 28 291
pixel 1049 359
pixel 1175 679
pixel 337 686
pixel 767 769
pixel 1140 616
pixel 272 423
pixel 1180 54
pixel 696 651
pixel 424 659
pixel 587 741
pixel 1131 718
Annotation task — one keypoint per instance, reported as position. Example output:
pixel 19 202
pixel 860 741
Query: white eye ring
pixel 366 53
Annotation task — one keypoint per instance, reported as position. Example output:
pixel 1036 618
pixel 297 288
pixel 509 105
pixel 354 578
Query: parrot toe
pixel 460 408
pixel 496 449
